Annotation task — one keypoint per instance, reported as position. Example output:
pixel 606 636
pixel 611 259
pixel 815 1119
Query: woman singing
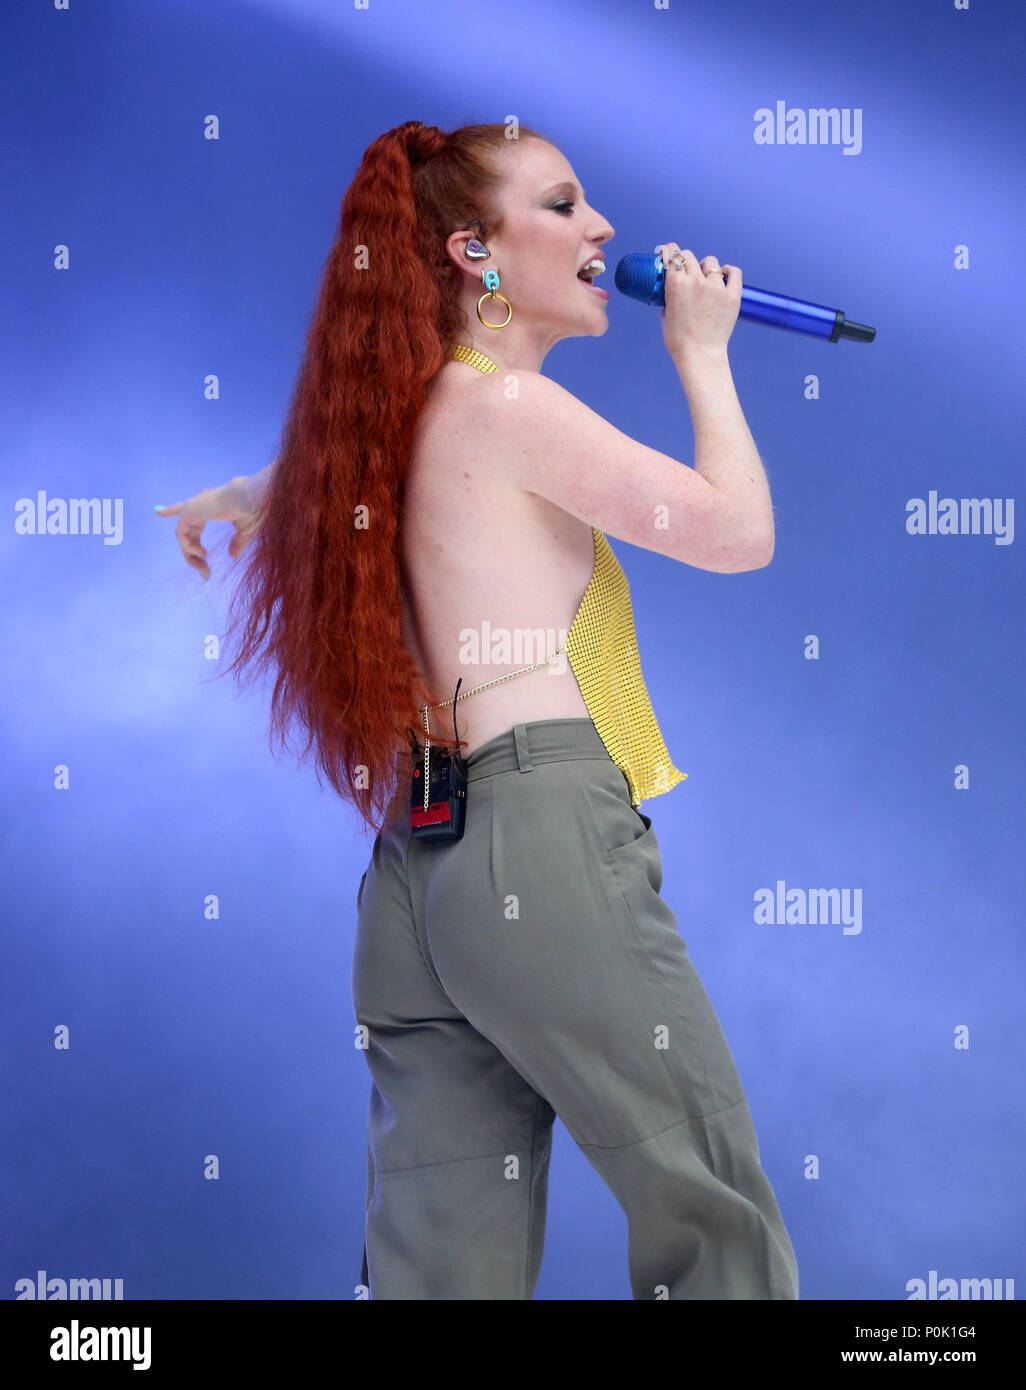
pixel 436 499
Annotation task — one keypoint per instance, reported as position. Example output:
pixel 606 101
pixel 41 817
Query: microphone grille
pixel 636 276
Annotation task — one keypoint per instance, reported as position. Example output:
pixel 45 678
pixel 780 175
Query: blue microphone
pixel 642 276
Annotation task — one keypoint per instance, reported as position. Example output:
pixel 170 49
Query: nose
pixel 606 232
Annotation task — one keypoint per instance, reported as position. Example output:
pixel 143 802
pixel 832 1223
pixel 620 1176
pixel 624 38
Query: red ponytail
pixel 321 591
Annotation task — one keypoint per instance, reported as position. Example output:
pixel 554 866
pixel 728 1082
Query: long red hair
pixel 320 595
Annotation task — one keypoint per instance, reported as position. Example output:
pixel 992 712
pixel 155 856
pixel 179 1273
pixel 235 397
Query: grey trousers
pixel 530 970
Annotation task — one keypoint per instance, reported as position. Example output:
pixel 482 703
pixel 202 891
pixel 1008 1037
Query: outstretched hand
pixel 232 501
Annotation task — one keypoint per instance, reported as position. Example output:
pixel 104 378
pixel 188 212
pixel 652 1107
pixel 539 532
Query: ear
pixel 456 249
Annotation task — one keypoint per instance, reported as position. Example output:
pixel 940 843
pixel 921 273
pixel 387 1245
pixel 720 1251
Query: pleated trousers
pixel 532 969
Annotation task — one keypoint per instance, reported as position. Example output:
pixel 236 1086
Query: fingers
pixel 193 514
pixel 683 261
pixel 194 553
pixel 673 258
pixel 727 275
pixel 188 533
pixel 701 300
pixel 243 536
pixel 732 279
pixel 687 263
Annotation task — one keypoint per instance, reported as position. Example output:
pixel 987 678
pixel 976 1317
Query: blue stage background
pixel 234 1036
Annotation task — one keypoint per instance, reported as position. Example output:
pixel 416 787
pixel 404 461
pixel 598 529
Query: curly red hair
pixel 320 595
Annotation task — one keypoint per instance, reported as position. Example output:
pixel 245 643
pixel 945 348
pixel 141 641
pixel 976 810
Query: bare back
pixel 483 556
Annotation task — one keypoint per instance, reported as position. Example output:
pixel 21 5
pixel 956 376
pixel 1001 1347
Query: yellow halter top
pixel 603 651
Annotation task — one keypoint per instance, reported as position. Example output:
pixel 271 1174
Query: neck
pixel 513 348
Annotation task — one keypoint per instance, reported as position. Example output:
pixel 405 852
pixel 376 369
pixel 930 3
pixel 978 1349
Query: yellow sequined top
pixel 603 652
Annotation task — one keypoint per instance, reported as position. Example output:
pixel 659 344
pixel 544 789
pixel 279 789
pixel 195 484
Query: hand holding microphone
pixel 702 300
pixel 645 277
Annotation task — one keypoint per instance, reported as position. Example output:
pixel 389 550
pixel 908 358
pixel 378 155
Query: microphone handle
pixel 782 311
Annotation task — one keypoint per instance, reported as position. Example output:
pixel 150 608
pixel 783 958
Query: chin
pixel 596 325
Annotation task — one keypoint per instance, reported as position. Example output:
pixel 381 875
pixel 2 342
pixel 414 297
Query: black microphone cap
pixel 856 331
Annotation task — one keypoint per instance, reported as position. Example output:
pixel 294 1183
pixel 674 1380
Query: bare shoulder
pixel 512 412
pixel 500 393
pixel 529 416
pixel 554 446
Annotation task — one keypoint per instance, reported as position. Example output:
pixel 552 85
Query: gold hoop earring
pixel 491 281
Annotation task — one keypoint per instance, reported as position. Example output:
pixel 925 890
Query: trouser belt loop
pixel 523 750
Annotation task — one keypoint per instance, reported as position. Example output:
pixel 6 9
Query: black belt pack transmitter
pixel 439 816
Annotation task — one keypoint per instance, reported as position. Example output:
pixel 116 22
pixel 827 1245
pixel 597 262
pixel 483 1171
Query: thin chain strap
pixel 444 704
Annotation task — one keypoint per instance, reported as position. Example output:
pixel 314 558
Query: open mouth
pixel 587 273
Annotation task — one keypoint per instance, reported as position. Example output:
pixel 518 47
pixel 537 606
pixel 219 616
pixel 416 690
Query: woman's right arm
pixel 717 515
pixel 237 501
